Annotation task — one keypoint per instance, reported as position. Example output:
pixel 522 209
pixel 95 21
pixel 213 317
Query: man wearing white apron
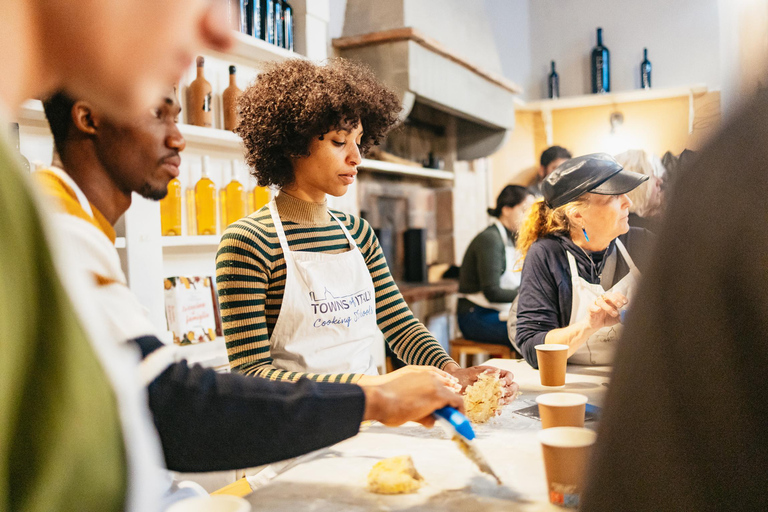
pixel 578 276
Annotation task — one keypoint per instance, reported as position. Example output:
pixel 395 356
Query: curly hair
pixel 543 220
pixel 296 100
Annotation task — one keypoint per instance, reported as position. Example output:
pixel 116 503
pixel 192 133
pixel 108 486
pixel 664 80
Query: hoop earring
pixel 585 233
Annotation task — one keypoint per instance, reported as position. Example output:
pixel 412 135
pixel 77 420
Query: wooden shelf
pixel 190 241
pixel 255 50
pixel 405 170
pixel 591 100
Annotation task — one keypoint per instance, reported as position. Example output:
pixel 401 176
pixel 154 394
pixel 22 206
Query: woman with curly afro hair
pixel 304 290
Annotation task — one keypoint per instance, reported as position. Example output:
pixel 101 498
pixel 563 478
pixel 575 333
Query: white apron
pixel 509 280
pixel 600 347
pixel 327 322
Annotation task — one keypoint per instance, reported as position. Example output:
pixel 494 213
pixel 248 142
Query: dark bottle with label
pixel 246 17
pixel 279 35
pixel 267 12
pixel 255 11
pixel 601 66
pixel 645 71
pixel 554 83
pixel 288 26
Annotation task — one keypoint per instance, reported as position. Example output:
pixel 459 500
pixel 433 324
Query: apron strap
pixel 572 264
pixel 625 254
pixel 279 227
pixel 352 243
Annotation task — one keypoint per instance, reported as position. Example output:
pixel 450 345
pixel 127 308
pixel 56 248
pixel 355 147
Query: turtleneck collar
pixel 292 209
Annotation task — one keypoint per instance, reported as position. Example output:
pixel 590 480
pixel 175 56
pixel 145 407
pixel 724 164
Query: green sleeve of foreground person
pixel 61 444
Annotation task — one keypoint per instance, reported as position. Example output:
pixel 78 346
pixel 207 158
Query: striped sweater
pixel 250 277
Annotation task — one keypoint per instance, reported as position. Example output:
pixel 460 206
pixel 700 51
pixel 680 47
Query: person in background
pixel 647 199
pixel 207 421
pixel 550 159
pixel 305 290
pixel 75 432
pixel 581 260
pixel 683 427
pixel 488 282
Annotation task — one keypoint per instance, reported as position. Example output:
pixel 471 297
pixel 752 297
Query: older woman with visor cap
pixel 581 261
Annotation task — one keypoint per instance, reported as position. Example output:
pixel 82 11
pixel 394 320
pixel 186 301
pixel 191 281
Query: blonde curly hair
pixel 542 220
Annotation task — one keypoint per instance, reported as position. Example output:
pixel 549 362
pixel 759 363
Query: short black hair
pixel 58 110
pixel 549 155
pixel 511 195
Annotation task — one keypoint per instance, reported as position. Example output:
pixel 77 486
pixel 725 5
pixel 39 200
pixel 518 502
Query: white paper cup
pixel 553 358
pixel 561 409
pixel 566 453
pixel 212 503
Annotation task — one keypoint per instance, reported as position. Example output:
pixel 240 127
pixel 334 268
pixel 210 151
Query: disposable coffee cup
pixel 566 453
pixel 553 359
pixel 212 503
pixel 562 409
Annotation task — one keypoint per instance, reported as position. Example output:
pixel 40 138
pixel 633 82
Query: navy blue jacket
pixel 545 296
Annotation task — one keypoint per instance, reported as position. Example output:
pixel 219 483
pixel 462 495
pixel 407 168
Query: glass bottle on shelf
pixel 267 12
pixel 246 17
pixel 230 96
pixel 260 196
pixel 189 202
pixel 170 210
pixel 200 98
pixel 16 139
pixel 553 83
pixel 601 66
pixel 235 195
pixel 205 201
pixel 645 71
pixel 288 26
pixel 255 13
pixel 279 34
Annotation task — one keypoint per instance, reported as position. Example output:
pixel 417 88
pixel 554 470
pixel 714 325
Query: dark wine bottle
pixel 288 26
pixel 645 71
pixel 554 83
pixel 267 12
pixel 601 66
pixel 279 39
pixel 246 17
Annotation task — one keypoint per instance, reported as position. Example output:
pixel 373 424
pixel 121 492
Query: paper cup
pixel 212 503
pixel 561 409
pixel 566 454
pixel 553 359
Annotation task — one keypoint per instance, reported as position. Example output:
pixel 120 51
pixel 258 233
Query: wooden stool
pixel 462 347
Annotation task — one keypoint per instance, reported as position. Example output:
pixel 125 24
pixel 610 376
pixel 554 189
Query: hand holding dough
pixel 482 400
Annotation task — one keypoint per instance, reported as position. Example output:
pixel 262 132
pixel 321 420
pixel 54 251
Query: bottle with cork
pixel 230 97
pixel 200 98
pixel 234 196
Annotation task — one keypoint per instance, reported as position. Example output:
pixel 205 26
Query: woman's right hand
pixel 605 312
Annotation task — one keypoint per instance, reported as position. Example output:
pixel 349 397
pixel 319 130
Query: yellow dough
pixel 396 475
pixel 482 399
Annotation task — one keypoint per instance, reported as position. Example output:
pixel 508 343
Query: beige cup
pixel 212 503
pixel 553 359
pixel 566 454
pixel 562 409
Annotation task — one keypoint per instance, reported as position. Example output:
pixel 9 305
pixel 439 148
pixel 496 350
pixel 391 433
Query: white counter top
pixel 335 480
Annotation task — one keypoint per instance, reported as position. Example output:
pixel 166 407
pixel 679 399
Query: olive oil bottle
pixel 170 210
pixel 205 201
